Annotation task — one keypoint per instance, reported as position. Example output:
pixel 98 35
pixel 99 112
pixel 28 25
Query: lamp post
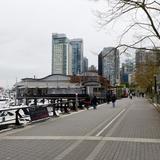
pixel 76 105
pixel 155 84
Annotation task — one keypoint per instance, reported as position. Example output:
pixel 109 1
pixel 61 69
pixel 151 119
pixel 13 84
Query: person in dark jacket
pixel 113 99
pixel 94 102
pixel 108 97
pixel 87 102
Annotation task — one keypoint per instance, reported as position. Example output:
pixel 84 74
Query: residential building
pixel 77 56
pixel 61 55
pixel 85 64
pixel 92 68
pixel 143 56
pixel 127 70
pixel 108 65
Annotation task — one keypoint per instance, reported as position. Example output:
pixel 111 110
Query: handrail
pixel 17 108
pixel 53 105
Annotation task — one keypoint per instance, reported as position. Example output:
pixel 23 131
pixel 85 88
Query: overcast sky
pixel 26 27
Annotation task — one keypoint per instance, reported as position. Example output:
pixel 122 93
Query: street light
pixel 155 84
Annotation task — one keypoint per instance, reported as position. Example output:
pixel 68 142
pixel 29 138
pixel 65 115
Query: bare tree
pixel 143 18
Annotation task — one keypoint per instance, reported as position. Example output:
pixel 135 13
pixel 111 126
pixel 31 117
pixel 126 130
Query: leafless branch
pixel 128 28
pixel 136 8
pixel 151 21
pixel 153 8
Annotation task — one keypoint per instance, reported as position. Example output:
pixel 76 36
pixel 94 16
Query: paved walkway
pixel 131 131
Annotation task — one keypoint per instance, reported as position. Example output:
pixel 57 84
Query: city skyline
pixel 25 35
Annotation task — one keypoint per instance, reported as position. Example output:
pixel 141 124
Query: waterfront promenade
pixel 130 131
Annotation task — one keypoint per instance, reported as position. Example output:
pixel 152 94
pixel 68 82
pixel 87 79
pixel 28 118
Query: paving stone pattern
pixel 135 135
pixel 141 121
pixel 129 151
pixel 31 149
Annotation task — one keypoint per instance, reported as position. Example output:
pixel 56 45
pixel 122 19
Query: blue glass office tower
pixel 109 65
pixel 77 56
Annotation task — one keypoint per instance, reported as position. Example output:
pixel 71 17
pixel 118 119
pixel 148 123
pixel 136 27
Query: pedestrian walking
pixel 113 99
pixel 108 97
pixel 130 95
pixel 94 102
pixel 142 94
pixel 87 102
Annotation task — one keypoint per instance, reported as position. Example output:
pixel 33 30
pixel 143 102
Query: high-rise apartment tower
pixel 77 56
pixel 109 65
pixel 61 55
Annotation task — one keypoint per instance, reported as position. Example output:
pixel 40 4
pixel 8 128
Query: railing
pixel 64 106
pixel 59 105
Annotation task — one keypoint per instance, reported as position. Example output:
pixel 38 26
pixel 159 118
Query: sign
pixel 38 112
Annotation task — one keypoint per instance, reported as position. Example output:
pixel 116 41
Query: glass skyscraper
pixel 77 55
pixel 61 55
pixel 85 64
pixel 108 64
